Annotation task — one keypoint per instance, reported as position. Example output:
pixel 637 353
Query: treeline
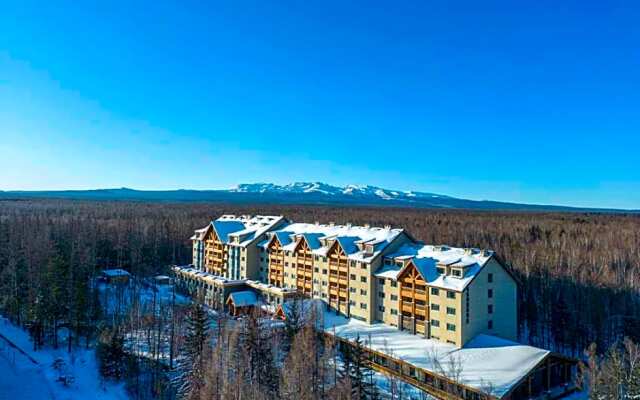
pixel 579 273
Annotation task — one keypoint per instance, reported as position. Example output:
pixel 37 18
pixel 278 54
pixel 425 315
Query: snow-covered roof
pixel 349 237
pixel 116 272
pixel 199 233
pixel 244 229
pixel 486 361
pixel 427 258
pixel 196 273
pixel 244 298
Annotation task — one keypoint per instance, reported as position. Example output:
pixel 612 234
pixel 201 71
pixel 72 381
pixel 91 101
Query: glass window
pixel 490 324
pixel 490 308
pixel 363 279
pixel 451 327
pixel 490 293
pixel 490 278
pixel 451 294
pixel 451 311
pixel 435 291
pixel 435 307
pixel 435 323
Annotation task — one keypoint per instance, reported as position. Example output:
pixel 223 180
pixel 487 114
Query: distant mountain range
pixel 297 193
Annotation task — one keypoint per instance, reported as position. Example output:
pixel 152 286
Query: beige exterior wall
pixel 389 301
pixel 438 306
pixel 504 302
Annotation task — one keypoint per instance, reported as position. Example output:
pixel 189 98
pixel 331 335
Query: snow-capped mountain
pixel 354 191
pixel 294 193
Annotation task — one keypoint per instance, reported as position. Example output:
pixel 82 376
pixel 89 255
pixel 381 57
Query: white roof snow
pixel 427 258
pixel 244 298
pixel 347 235
pixel 486 361
pixel 245 227
pixel 112 273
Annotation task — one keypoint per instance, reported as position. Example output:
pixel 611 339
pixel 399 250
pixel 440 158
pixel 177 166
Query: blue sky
pixel 529 101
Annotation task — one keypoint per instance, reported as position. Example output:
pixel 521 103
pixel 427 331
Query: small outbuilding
pixel 162 280
pixel 116 275
pixel 242 302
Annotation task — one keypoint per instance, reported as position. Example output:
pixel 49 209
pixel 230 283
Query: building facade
pixel 372 274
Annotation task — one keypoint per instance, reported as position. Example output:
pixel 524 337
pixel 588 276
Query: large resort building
pixel 381 283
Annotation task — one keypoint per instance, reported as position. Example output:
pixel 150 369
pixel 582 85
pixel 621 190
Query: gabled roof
pixel 244 298
pixel 427 258
pixel 241 230
pixel 348 236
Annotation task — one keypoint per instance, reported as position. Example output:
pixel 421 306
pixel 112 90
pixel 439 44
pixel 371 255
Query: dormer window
pixel 457 273
pixel 440 270
pixel 387 261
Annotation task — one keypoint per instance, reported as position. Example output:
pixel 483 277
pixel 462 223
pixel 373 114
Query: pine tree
pixel 192 365
pixel 111 355
pixel 357 369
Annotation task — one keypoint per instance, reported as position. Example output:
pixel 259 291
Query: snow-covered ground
pixel 21 378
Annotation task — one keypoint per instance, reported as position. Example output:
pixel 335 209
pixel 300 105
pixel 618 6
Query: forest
pixel 578 272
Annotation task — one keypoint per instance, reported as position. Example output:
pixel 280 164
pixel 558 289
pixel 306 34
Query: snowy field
pixel 21 378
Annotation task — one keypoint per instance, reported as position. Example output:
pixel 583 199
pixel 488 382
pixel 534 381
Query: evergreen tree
pixel 356 367
pixel 191 378
pixel 111 355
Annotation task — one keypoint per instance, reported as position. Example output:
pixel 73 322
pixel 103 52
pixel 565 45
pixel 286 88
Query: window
pixel 363 292
pixel 451 327
pixel 324 271
pixel 456 272
pixel 490 308
pixel 352 277
pixel 381 281
pixel 286 264
pixel 324 259
pixel 324 295
pixel 394 297
pixel 352 289
pixel 286 274
pixel 451 295
pixel 490 278
pixel 363 265
pixel 451 311
pixel 315 293
pixel 324 283
pixel 261 259
pixel 435 307
pixel 490 293
pixel 440 270
pixel 363 306
pixel 490 324
pixel 394 284
pixel 435 291
pixel 381 308
pixel 315 269
pixel 352 303
pixel 394 312
pixel 315 281
pixel 363 279
pixel 435 323
pixel 381 295
pixel 387 261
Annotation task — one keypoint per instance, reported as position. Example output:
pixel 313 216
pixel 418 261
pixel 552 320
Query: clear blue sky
pixel 519 101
